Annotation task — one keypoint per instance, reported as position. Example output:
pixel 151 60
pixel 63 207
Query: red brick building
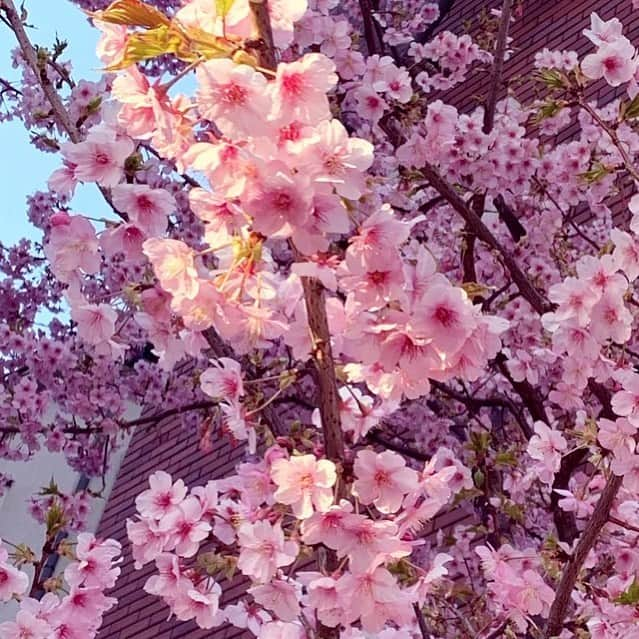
pixel 556 25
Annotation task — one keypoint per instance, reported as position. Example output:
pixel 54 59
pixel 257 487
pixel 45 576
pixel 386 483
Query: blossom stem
pixel 614 138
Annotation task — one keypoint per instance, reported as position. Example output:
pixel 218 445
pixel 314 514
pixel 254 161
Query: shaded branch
pixel 598 519
pixel 376 438
pixel 421 622
pixel 476 226
pixel 374 43
pixel 586 542
pixel 170 412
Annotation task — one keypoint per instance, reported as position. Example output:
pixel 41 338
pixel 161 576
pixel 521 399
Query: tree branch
pixel 476 226
pixel 262 23
pixel 587 540
pixel 323 358
pixel 479 199
pixel 178 410
pixel 421 622
pixel 375 438
pixel 374 44
pixel 498 67
pixel 31 57
pixel 60 113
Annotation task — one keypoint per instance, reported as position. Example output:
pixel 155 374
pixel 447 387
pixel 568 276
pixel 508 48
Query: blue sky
pixel 25 169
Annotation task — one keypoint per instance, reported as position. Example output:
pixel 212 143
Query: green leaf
pixel 596 173
pixel 222 7
pixel 631 596
pixel 132 13
pixel 148 44
pixel 629 110
pixel 548 110
pixel 553 78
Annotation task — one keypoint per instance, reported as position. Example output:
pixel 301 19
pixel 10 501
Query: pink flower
pixel 626 253
pixel 223 380
pixel 445 315
pixel 366 596
pixel 547 445
pixel 328 527
pixel 279 597
pixel 358 412
pixel 72 246
pixel 85 604
pixel 369 104
pixel 369 543
pixel 184 527
pixel 278 202
pixel 324 598
pixel 603 32
pixel 615 62
pixel 96 322
pixel 247 615
pixel 147 208
pixel 301 87
pixel 26 626
pixel 201 604
pixel 626 402
pixel 304 483
pixel 380 233
pixel 173 265
pixel 12 581
pixel 611 319
pixel 63 180
pixel 100 158
pixel 112 43
pixel 372 285
pixel 617 436
pixel 383 479
pixel 169 580
pixel 94 566
pixel 124 238
pixel 263 550
pixel 337 159
pixel 282 630
pixel 147 542
pixel 234 96
pixel 576 298
pixel 162 496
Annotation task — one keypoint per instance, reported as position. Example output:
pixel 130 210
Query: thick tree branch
pixel 374 43
pixel 587 540
pixel 262 23
pixel 323 358
pixel 599 518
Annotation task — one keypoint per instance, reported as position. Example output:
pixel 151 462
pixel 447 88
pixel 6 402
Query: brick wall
pixel 164 446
